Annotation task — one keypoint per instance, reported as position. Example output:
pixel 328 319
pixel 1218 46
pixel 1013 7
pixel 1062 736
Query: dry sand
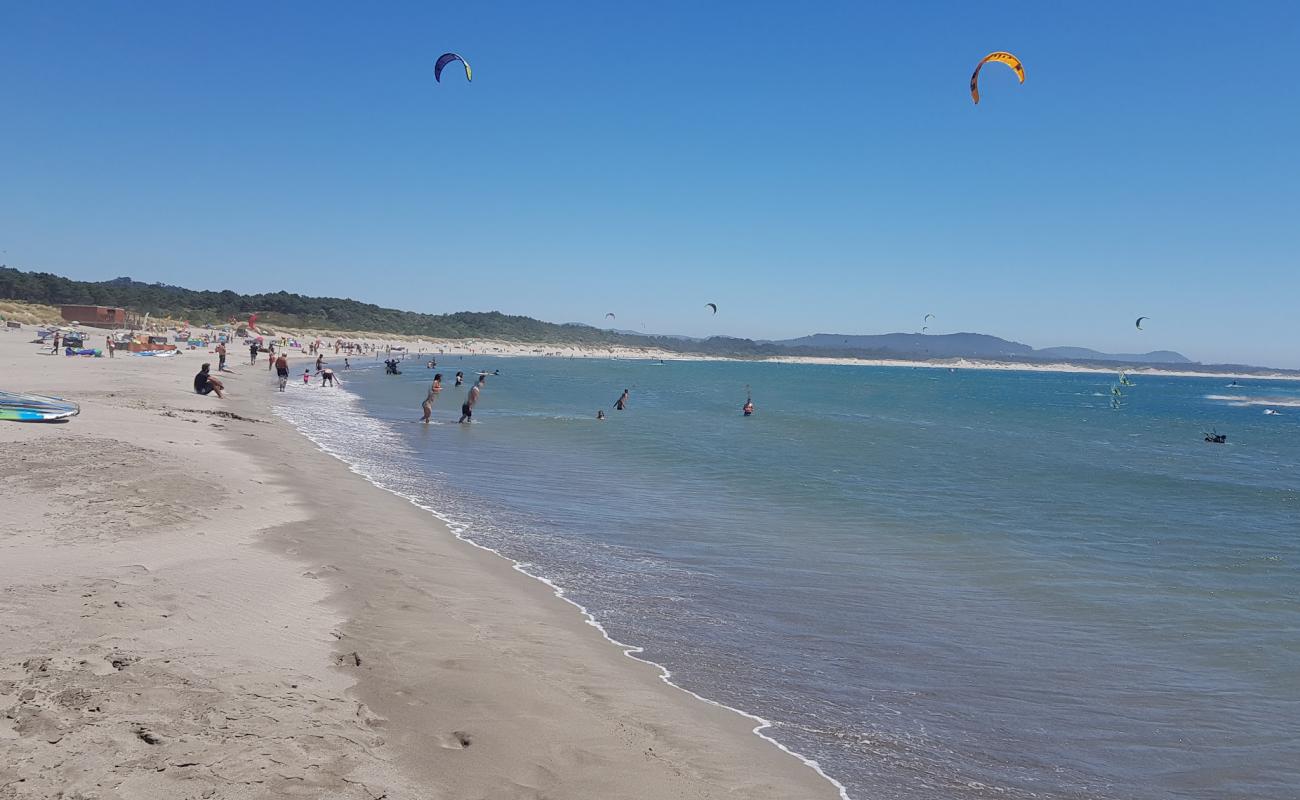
pixel 197 603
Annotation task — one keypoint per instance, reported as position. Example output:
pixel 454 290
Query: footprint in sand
pixel 348 658
pixel 456 740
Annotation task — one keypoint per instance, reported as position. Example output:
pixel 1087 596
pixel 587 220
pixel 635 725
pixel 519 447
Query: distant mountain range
pixel 970 345
pixel 283 309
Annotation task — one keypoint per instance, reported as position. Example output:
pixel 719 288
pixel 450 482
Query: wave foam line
pixel 1244 401
pixel 630 650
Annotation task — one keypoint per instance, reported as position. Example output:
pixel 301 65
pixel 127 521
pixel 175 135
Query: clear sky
pixel 810 167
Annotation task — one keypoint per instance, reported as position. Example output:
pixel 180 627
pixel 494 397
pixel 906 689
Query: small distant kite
pixel 447 58
pixel 610 315
pixel 999 57
pixel 713 306
pixel 1138 324
pixel 924 328
pixel 928 317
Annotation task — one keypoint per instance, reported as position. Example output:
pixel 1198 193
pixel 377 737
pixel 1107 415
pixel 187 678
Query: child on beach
pixel 306 377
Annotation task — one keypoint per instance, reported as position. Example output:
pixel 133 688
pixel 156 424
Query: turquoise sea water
pixel 970 584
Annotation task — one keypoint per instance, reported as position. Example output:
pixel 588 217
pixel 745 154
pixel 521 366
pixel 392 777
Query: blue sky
pixel 809 167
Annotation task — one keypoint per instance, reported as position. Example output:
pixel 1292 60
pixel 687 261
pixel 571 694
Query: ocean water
pixel 936 584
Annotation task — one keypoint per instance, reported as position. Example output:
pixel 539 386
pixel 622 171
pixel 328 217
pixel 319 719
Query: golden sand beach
pixel 198 603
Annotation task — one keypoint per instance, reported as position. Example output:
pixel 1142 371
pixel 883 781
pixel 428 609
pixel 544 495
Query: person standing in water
pixel 320 361
pixel 427 405
pixel 460 378
pixel 467 408
pixel 347 365
pixel 282 370
pixel 748 408
pixel 621 403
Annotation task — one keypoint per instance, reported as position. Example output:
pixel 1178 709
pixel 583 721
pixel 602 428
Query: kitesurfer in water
pixel 427 405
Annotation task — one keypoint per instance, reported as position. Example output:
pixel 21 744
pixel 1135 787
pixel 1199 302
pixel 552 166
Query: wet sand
pixel 198 603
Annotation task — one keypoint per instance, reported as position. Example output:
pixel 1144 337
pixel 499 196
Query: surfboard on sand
pixel 35 408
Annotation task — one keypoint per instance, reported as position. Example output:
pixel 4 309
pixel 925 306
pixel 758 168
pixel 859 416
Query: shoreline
pixel 631 651
pixel 428 665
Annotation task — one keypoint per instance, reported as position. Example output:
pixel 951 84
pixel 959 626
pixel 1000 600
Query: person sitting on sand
pixel 206 384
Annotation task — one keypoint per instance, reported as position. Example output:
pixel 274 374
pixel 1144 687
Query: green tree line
pixel 287 309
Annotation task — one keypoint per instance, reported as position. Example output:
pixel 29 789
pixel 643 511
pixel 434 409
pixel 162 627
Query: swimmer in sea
pixel 467 408
pixel 427 405
pixel 600 415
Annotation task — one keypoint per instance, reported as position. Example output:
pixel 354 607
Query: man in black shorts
pixel 205 383
pixel 467 408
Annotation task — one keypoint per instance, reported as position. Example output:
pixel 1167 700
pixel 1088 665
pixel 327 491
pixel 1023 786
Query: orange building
pixel 96 316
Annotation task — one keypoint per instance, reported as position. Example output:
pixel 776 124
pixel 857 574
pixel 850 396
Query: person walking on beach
pixel 427 405
pixel 282 370
pixel 55 348
pixel 204 383
pixel 221 357
pixel 252 354
pixel 621 403
pixel 467 408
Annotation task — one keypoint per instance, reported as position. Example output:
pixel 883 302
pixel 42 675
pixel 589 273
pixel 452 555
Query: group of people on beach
pixel 205 383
